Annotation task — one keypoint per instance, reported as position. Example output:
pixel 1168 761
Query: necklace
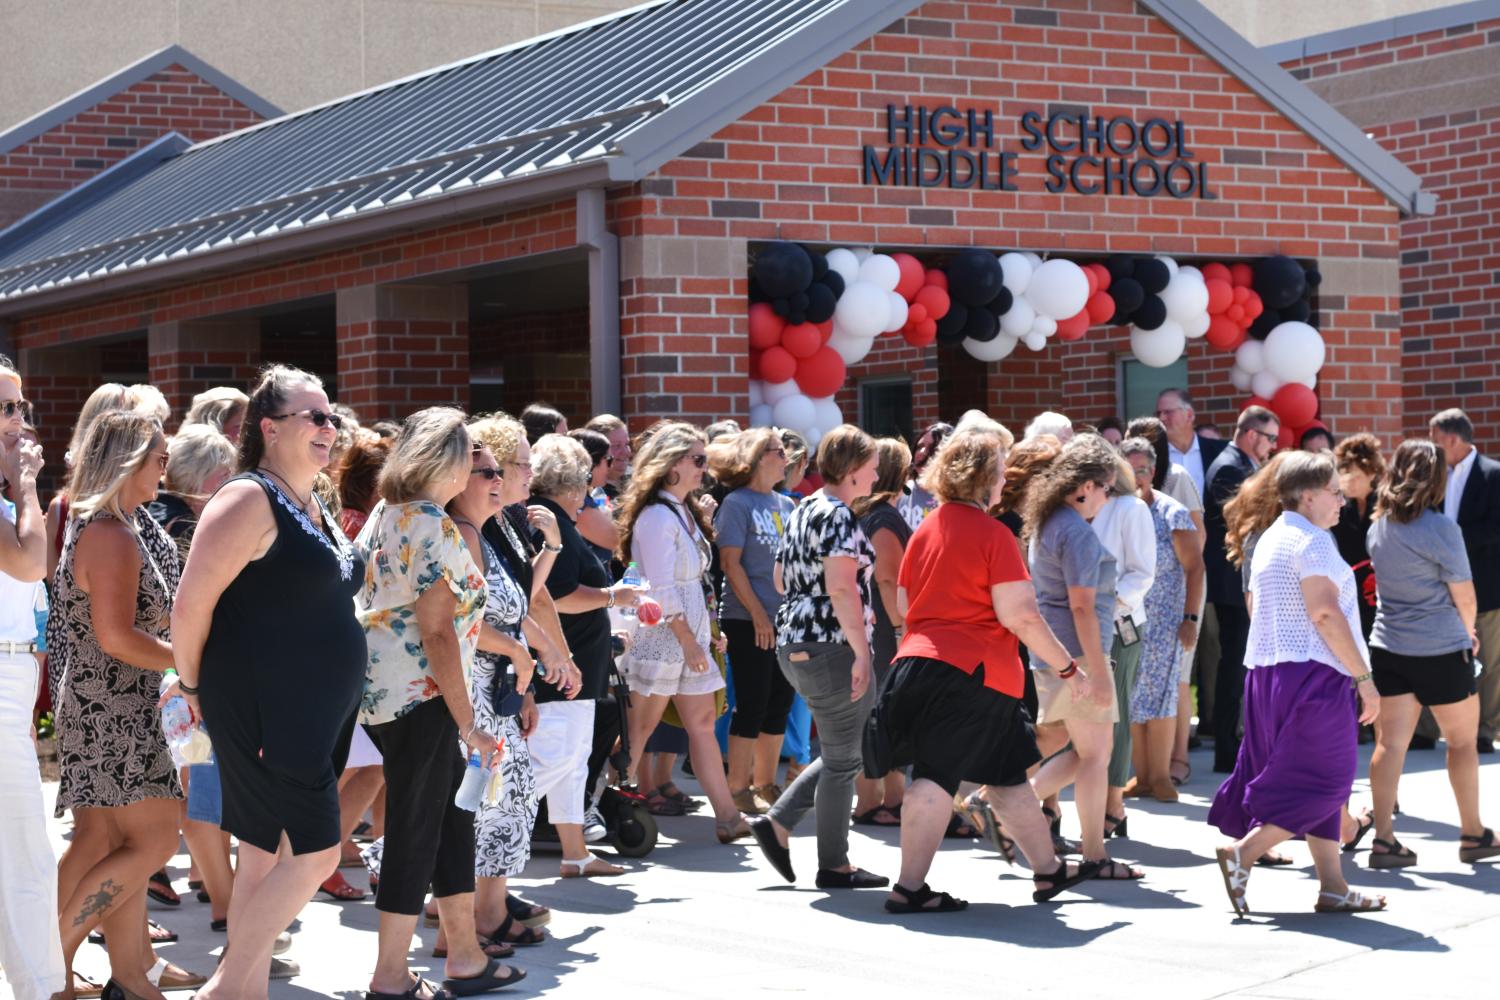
pixel 304 504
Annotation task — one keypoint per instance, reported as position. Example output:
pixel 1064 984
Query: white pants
pixel 30 950
pixel 560 747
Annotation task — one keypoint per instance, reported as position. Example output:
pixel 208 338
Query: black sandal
pixel 435 992
pixel 486 982
pixel 916 900
pixel 989 824
pixel 528 938
pixel 529 914
pixel 159 888
pixel 959 828
pixel 1393 854
pixel 867 818
pixel 1114 868
pixel 1363 824
pixel 1483 846
pixel 1116 826
pixel 1277 860
pixel 1060 845
pixel 1059 881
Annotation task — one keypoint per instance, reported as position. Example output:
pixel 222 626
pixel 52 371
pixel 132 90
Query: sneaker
pixel 746 802
pixel 284 968
pixel 283 942
pixel 593 827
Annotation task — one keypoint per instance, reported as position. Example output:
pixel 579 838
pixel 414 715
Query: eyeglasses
pixel 13 406
pixel 1269 437
pixel 490 474
pixel 525 466
pixel 778 452
pixel 318 417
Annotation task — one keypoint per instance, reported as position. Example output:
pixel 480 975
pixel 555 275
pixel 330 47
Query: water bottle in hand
pixel 471 792
pixel 632 578
pixel 186 740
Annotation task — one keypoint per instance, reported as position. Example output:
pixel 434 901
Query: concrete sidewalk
pixel 696 919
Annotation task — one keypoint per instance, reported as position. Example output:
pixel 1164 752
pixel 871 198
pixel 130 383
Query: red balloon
pixel 1101 306
pixel 1295 404
pixel 921 334
pixel 755 363
pixel 937 277
pixel 1074 327
pixel 802 340
pixel 648 611
pixel 912 275
pixel 928 329
pixel 915 313
pixel 1253 306
pixel 1102 273
pixel 1093 279
pixel 1236 314
pixel 765 326
pixel 1286 438
pixel 1241 274
pixel 1260 401
pixel 1220 295
pixel 825 330
pixel 1217 272
pixel 820 375
pixel 1224 333
pixel 934 300
pixel 1240 294
pixel 778 365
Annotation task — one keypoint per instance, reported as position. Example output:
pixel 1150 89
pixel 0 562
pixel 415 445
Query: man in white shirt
pixel 1472 499
pixel 1174 408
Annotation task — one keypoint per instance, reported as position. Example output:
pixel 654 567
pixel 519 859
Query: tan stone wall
pixel 1266 22
pixel 294 53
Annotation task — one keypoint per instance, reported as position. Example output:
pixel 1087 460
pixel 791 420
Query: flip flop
pixel 486 982
pixel 159 888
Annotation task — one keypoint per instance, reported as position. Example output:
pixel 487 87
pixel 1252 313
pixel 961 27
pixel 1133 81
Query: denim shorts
pixel 205 800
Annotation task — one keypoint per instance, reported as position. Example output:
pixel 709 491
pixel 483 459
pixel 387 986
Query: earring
pixel 673 479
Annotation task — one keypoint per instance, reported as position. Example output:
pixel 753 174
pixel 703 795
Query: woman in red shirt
pixel 952 707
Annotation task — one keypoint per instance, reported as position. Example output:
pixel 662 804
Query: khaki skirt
pixel 1055 701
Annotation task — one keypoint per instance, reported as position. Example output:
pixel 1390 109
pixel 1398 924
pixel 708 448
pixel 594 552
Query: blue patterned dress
pixel 1155 695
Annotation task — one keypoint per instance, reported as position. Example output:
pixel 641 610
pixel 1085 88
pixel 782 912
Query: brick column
pixel 402 348
pixel 57 380
pixel 188 357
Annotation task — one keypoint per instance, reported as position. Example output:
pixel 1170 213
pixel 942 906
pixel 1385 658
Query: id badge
pixel 1125 628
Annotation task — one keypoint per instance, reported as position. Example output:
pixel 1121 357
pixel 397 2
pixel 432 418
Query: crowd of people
pixel 364 617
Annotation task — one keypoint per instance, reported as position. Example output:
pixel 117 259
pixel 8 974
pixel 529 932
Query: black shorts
pixel 1435 680
pixel 951 728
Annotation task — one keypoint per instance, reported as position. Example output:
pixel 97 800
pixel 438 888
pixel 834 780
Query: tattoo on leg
pixel 98 902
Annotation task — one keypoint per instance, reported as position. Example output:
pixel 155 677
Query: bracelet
pixel 611 592
pixel 1068 671
pixel 1190 618
pixel 1362 677
pixel 183 686
pixel 554 549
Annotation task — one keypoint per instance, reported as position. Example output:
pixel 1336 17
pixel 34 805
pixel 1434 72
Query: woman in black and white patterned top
pixel 824 631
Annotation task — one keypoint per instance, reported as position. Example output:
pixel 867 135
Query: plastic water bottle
pixel 632 578
pixel 471 792
pixel 186 740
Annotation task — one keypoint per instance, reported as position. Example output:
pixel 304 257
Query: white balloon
pixel 1035 341
pixel 863 309
pixel 1311 381
pixel 880 270
pixel 1059 289
pixel 863 254
pixel 1265 384
pixel 1190 271
pixel 1016 272
pixel 845 263
pixel 826 414
pixel 1018 319
pixel 762 415
pixel 1196 325
pixel 775 392
pixel 1035 259
pixel 1251 357
pixel 898 308
pixel 757 393
pixel 991 350
pixel 1045 325
pixel 814 436
pixel 1160 347
pixel 795 411
pixel 1239 378
pixel 848 346
pixel 1185 298
pixel 1171 264
pixel 1294 351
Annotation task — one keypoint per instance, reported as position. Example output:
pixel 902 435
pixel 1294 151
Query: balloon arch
pixel 813 314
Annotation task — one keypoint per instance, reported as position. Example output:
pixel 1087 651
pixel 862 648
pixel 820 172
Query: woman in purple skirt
pixel 1299 754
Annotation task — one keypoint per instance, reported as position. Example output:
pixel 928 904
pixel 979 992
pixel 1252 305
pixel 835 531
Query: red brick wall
pixel 60 159
pixel 543 357
pixel 1450 295
pixel 791 170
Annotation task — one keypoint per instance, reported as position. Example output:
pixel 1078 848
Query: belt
pixel 8 646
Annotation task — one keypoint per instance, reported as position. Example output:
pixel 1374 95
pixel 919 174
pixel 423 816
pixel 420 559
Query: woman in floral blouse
pixel 422 606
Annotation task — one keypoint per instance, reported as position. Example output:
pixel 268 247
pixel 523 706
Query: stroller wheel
pixel 632 829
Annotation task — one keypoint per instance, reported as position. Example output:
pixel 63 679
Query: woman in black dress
pixel 1361 468
pixel 265 627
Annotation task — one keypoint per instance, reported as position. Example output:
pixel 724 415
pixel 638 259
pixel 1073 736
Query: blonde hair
pixel 213 407
pixel 194 454
pixel 654 460
pixel 559 464
pixel 842 450
pixel 113 450
pixel 734 458
pixel 500 433
pixel 149 400
pixel 967 466
pixel 1022 464
pixel 891 470
pixel 107 397
pixel 1253 508
pixel 606 424
pixel 432 443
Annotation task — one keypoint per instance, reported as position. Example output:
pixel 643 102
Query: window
pixel 1139 385
pixel 487 394
pixel 885 407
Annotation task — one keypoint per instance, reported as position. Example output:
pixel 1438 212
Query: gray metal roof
pixel 606 101
pixel 1384 30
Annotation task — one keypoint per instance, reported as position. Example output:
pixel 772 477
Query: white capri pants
pixel 560 747
pixel 30 950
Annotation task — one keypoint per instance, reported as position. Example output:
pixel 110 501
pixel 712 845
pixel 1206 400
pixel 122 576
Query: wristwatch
pixel 554 549
pixel 1190 618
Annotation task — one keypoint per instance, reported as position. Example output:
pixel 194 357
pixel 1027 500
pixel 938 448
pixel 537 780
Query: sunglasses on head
pixel 318 417
pixel 13 406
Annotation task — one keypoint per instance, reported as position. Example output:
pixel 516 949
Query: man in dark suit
pixel 1254 437
pixel 1473 500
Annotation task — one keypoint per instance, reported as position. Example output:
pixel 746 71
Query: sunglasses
pixel 1269 437
pixel 318 417
pixel 489 474
pixel 13 406
pixel 699 460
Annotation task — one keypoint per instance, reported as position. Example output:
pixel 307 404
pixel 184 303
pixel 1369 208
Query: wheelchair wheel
pixel 632 829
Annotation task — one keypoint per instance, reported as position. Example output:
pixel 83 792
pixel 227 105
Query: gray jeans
pixel 823 680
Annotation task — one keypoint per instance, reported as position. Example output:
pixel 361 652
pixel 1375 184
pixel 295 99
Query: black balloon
pixel 1153 275
pixel 950 329
pixel 974 277
pixel 982 325
pixel 1001 304
pixel 1151 314
pixel 834 281
pixel 1314 278
pixel 1120 318
pixel 1279 281
pixel 799 302
pixel 1264 324
pixel 1120 266
pixel 820 302
pixel 1298 311
pixel 796 317
pixel 820 266
pixel 783 269
pixel 757 293
pixel 782 307
pixel 1128 295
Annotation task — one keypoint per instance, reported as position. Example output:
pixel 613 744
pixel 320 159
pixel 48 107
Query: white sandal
pixel 1236 877
pixel 1352 901
pixel 581 867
